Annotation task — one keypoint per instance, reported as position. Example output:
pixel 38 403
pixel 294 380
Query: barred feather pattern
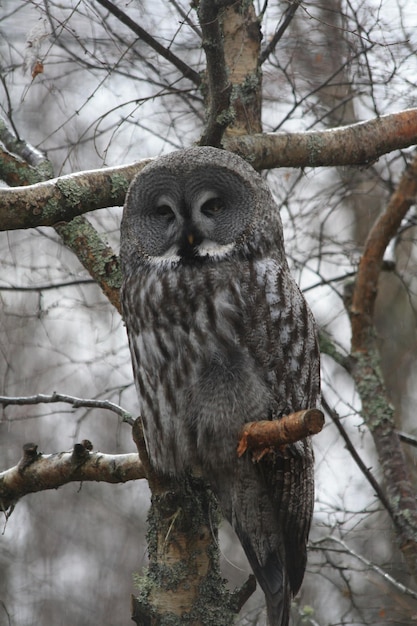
pixel 218 341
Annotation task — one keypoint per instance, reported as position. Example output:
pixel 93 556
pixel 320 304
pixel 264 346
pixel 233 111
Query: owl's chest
pixel 186 313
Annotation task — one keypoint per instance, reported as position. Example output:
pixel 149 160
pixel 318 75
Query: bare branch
pixel 62 199
pixel 14 171
pixel 356 144
pixel 28 153
pixel 261 436
pixel 39 472
pixel 95 255
pixel 406 438
pixel 365 471
pixel 73 400
pixel 288 16
pixel 185 70
pixel 48 287
pixel 369 564
pixel 378 412
pixel 218 83
pixel 382 232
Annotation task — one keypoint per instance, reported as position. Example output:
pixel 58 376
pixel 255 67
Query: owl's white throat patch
pixel 207 248
pixel 213 249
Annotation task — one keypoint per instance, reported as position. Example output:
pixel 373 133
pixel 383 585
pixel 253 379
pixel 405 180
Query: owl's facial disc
pixel 188 215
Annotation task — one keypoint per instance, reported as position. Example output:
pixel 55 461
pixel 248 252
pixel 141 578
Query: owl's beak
pixel 190 238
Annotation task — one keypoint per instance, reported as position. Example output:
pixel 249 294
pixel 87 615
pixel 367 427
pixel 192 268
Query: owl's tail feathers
pixel 273 579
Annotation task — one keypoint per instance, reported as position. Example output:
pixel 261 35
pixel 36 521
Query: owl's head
pixel 195 205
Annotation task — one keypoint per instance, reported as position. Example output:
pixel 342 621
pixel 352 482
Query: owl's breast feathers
pixel 214 346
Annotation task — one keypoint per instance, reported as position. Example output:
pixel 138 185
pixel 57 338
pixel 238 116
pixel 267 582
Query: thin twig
pixel 349 445
pixel 288 16
pixel 186 71
pixel 402 588
pixel 73 400
pixel 70 283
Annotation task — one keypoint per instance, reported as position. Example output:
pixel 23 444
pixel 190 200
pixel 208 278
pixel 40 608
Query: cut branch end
pixel 261 437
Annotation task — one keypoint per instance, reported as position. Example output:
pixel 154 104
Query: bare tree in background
pixel 108 86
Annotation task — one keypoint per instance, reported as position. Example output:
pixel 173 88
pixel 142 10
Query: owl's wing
pixel 270 510
pixel 274 531
pixel 290 483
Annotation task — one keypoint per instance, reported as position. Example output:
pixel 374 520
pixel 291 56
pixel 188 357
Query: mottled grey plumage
pixel 220 335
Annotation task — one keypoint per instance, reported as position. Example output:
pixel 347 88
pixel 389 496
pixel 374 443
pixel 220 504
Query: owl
pixel 220 335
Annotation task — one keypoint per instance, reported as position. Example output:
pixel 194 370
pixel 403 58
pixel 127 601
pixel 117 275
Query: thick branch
pixel 378 412
pixel 217 80
pixel 384 229
pixel 95 255
pixel 62 199
pixel 39 472
pixel 356 144
pixel 231 41
pixel 266 434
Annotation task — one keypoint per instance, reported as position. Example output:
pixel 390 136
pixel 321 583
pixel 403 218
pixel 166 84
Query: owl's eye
pixel 212 207
pixel 165 211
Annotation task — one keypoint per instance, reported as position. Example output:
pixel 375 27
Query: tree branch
pixel 231 41
pixel 217 79
pixel 39 472
pixel 62 199
pixel 66 399
pixel 370 565
pixel 261 436
pixel 185 70
pixel 352 450
pixel 356 144
pixel 378 412
pixel 95 255
pixel 39 166
pixel 288 17
pixel 384 229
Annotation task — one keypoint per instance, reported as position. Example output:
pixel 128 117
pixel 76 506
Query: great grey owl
pixel 220 335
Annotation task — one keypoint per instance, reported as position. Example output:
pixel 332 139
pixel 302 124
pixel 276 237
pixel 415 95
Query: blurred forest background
pixel 101 96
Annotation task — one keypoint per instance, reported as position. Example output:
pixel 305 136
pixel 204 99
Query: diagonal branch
pixel 288 16
pixel 356 457
pixel 384 229
pixel 185 70
pixel 98 258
